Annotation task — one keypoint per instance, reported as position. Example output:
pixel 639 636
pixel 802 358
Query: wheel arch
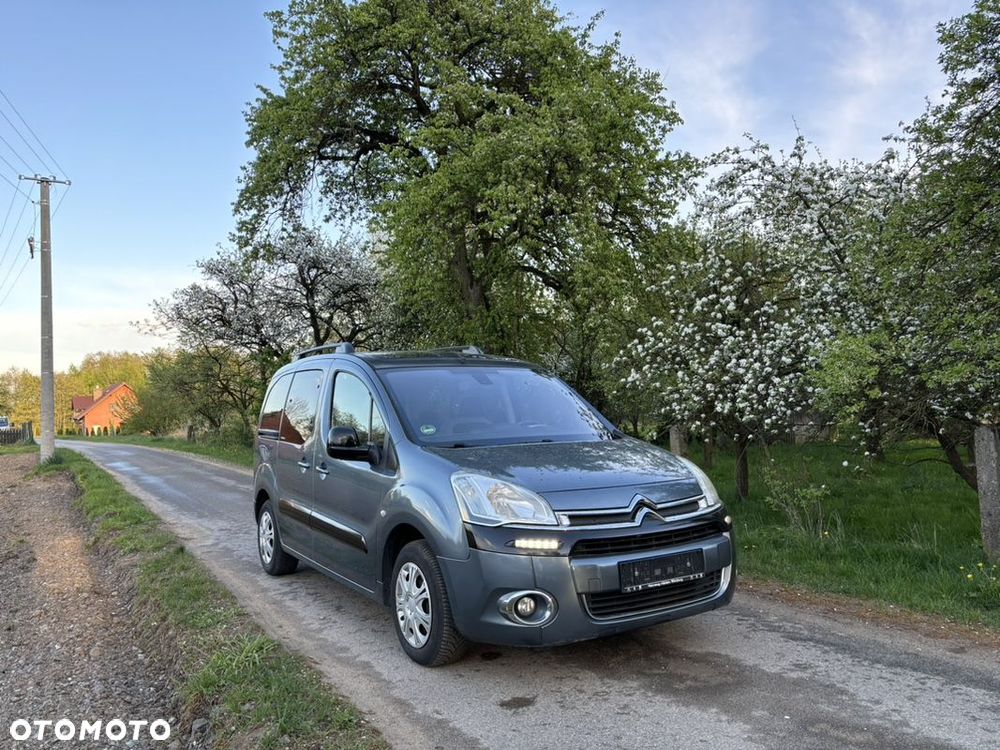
pixel 402 533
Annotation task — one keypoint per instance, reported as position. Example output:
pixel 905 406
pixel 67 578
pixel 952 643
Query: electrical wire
pixel 17 278
pixel 14 232
pixel 47 153
pixel 31 255
pixel 25 141
pixel 12 184
pixel 62 194
pixel 15 152
pixel 10 207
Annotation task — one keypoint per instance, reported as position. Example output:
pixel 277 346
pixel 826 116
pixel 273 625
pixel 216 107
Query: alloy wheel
pixel 413 605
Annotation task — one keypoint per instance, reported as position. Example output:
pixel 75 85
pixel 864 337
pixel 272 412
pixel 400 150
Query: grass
pixel 255 693
pixel 12 450
pixel 892 532
pixel 235 453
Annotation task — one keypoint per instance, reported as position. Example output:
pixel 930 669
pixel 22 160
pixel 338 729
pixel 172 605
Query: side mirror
pixel 344 443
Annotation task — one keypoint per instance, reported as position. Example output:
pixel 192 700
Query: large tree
pixel 512 164
pixel 303 291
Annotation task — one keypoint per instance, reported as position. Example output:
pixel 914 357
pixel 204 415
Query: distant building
pixel 104 411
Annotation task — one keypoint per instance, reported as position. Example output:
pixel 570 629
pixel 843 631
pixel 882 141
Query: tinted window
pixel 353 406
pixel 274 404
pixel 491 405
pixel 300 408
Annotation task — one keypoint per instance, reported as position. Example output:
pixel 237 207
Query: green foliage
pixel 803 505
pixel 514 168
pixel 209 388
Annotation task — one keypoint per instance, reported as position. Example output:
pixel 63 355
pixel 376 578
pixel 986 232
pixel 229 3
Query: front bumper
pixel 477 584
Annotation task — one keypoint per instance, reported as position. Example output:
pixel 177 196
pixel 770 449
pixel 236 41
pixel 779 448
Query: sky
pixel 142 105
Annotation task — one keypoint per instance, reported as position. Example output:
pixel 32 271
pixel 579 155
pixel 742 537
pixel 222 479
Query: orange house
pixel 103 412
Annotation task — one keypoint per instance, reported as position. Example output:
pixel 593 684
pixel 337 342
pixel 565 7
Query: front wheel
pixel 273 558
pixel 422 613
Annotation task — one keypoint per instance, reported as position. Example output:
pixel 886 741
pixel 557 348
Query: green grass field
pixel 893 533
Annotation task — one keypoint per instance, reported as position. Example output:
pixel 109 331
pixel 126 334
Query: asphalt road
pixel 757 674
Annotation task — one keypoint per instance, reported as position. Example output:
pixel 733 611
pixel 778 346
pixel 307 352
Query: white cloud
pixel 704 53
pixel 887 68
pixel 94 310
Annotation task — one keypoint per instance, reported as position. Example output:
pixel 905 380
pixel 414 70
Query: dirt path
pixel 67 649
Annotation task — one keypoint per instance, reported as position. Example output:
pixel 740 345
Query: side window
pixel 274 406
pixel 378 427
pixel 353 406
pixel 300 408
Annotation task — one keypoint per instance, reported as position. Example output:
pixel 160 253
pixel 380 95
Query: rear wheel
pixel 273 558
pixel 421 609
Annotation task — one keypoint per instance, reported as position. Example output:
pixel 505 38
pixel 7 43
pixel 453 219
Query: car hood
pixel 597 474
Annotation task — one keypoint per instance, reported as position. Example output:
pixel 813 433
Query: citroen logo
pixel 645 507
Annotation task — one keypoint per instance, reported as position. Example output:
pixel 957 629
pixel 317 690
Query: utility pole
pixel 48 446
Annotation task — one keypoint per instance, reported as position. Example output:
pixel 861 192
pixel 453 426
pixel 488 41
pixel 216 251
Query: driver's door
pixel 348 493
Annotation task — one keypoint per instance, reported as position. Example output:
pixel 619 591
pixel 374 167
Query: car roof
pixel 431 357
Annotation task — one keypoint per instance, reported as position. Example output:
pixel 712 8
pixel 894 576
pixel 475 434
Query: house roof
pixel 81 403
pixel 108 392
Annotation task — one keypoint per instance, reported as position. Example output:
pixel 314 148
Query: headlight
pixel 493 502
pixel 711 496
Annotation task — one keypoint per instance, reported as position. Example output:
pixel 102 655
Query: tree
pixel 511 164
pixel 303 291
pixel 738 326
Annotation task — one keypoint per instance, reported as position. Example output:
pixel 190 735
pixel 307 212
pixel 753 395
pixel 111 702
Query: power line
pixel 25 140
pixel 17 278
pixel 62 195
pixel 47 153
pixel 14 151
pixel 14 232
pixel 13 185
pixel 10 206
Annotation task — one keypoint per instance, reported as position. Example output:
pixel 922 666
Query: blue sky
pixel 142 104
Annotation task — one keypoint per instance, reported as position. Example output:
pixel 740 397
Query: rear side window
pixel 300 409
pixel 353 406
pixel 274 406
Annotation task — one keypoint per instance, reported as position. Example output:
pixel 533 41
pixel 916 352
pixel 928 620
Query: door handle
pixel 322 471
pixel 303 464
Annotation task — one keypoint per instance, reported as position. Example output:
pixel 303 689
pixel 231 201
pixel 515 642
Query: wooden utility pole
pixel 48 400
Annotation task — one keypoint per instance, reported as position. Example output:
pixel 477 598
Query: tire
pixel 273 558
pixel 417 571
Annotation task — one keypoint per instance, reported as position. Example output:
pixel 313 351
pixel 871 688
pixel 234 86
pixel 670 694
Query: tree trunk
pixel 678 440
pixel 707 454
pixel 950 448
pixel 988 479
pixel 743 467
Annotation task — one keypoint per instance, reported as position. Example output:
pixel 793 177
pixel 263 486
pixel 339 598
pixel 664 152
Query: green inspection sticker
pixel 428 429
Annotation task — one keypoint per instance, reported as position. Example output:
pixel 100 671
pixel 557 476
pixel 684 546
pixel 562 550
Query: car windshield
pixel 481 405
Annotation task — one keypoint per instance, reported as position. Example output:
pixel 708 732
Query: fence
pixel 14 435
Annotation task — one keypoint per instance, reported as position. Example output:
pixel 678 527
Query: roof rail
pixel 466 349
pixel 338 347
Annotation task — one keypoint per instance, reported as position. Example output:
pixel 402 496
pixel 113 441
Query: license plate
pixel 661 571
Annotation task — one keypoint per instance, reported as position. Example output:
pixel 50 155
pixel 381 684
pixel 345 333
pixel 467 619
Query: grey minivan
pixel 481 499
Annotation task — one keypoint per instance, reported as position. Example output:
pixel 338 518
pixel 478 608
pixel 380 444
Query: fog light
pixel 525 607
pixel 728 520
pixel 539 544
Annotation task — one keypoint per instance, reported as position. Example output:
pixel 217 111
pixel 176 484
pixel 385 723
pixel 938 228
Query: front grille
pixel 645 542
pixel 613 604
pixel 627 516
